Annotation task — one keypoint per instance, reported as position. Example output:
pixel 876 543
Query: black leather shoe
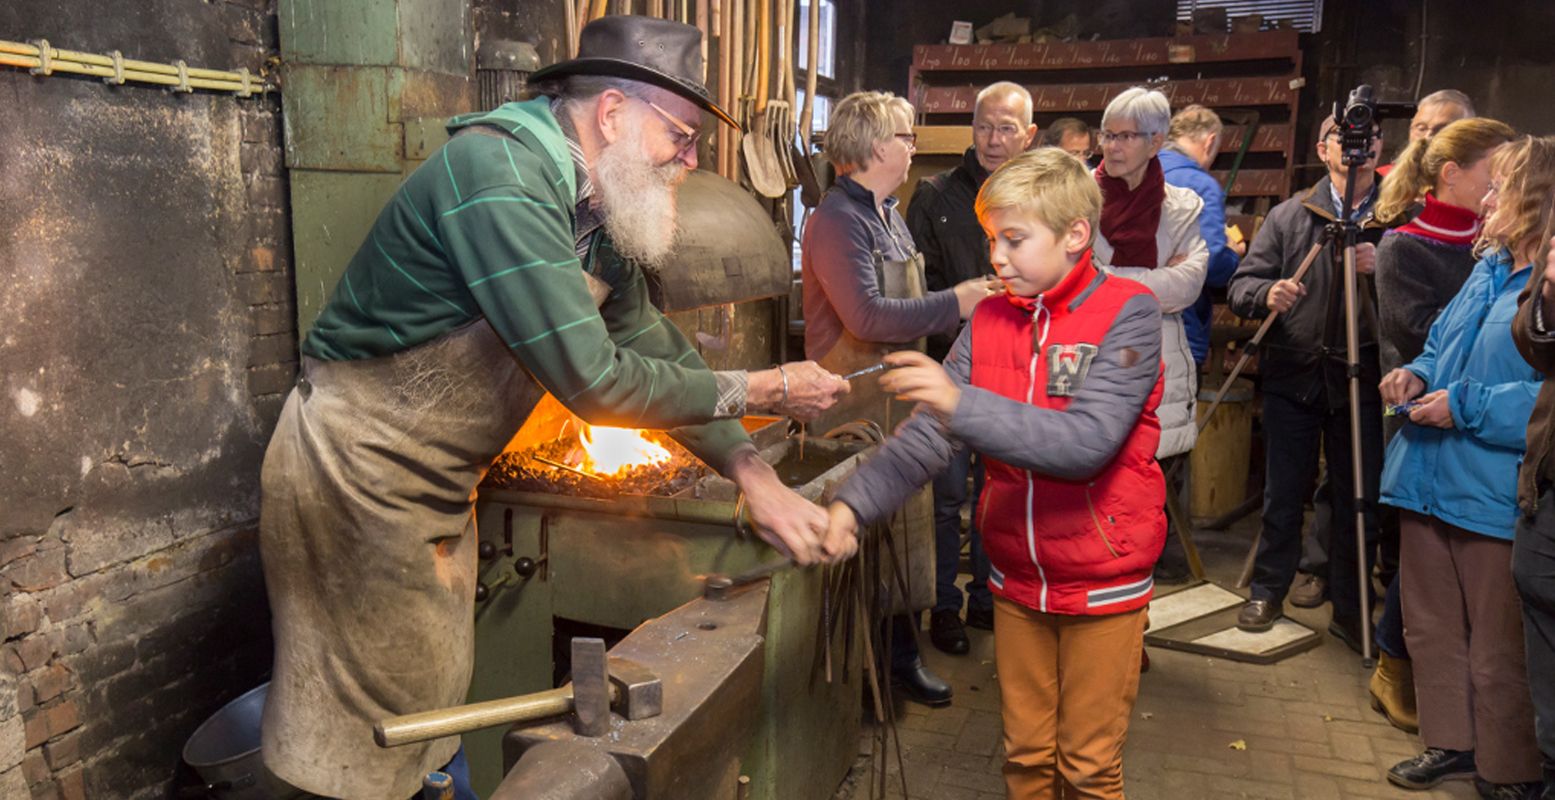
pixel 1347 631
pixel 947 633
pixel 979 618
pixel 922 686
pixel 1432 767
pixel 1258 616
pixel 1508 791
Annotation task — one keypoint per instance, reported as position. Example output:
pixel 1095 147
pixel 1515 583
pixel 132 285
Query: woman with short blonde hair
pixel 862 122
pixel 864 293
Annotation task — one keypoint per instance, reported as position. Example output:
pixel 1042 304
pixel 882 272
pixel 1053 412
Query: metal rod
pixel 559 465
pixel 865 371
pixel 1357 475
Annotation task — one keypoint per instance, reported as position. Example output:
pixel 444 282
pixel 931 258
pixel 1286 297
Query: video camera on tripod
pixel 1358 121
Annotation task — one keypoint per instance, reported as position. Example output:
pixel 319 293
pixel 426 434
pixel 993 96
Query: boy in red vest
pixel 1055 384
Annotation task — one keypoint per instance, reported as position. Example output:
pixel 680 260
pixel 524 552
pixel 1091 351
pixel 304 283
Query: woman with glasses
pixel 864 292
pixel 1150 233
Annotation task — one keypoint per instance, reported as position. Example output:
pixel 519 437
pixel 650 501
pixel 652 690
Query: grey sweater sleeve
pixel 1077 442
pixel 913 456
pixel 843 262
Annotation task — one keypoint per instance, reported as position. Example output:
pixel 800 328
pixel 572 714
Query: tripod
pixel 1341 235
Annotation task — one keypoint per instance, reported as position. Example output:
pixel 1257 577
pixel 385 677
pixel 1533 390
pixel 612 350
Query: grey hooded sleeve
pixel 1071 444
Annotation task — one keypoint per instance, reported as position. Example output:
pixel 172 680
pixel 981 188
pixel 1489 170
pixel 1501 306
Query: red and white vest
pixel 1059 546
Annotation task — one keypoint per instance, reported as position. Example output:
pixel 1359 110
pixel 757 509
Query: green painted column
pixel 366 85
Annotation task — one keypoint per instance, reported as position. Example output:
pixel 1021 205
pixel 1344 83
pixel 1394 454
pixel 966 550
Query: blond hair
pixel 1046 184
pixel 1417 169
pixel 1193 123
pixel 858 123
pixel 1526 169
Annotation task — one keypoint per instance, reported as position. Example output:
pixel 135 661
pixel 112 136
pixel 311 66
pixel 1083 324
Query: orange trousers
pixel 1067 686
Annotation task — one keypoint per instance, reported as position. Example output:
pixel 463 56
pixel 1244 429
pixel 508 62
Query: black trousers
pixel 1294 434
pixel 1533 567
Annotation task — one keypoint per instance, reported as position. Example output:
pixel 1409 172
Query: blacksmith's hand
pixel 1433 411
pixel 810 390
pixel 916 378
pixel 841 533
pixel 972 291
pixel 1284 294
pixel 791 524
pixel 1365 258
pixel 1400 386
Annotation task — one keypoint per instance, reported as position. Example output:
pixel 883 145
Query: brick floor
pixel 1309 731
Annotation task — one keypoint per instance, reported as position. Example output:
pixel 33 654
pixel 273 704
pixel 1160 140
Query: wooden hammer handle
pixel 463 719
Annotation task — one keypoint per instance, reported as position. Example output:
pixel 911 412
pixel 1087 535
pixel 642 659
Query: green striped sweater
pixel 484 228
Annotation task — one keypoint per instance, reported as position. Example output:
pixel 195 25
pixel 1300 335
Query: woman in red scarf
pixel 1150 233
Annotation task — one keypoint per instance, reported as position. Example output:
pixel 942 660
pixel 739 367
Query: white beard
pixel 638 199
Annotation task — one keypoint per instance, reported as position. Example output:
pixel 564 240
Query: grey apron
pixel 367 534
pixel 898 279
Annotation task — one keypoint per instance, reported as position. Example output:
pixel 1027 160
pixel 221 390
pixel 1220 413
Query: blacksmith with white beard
pixel 506 266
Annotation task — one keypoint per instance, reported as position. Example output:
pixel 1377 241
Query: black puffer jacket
pixel 946 231
pixel 1303 357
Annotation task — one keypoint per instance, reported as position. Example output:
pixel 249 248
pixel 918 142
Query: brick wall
pixel 147 270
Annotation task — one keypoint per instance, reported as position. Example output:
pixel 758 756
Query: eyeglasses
pixel 685 136
pixel 1002 130
pixel 1126 137
pixel 910 138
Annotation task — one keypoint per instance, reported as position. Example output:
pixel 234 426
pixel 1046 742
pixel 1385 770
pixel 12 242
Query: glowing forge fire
pixel 610 451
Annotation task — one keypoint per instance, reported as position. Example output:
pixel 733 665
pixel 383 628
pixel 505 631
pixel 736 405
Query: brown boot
pixel 1393 692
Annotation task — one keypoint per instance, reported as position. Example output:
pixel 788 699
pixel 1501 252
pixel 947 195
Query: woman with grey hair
pixel 1150 233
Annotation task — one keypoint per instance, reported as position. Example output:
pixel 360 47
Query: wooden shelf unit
pixel 1257 71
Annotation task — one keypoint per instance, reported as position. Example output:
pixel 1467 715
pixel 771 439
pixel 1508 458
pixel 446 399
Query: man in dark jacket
pixel 955 249
pixel 1306 386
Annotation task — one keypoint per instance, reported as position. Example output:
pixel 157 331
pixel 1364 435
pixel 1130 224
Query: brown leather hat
pixel 662 52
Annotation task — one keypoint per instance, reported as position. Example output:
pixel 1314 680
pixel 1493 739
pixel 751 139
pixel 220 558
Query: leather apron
pixel 897 279
pixel 913 526
pixel 368 538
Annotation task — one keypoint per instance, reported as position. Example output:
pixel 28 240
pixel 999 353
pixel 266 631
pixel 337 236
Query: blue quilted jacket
pixel 1467 475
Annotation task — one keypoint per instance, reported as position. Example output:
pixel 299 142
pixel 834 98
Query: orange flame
pixel 610 451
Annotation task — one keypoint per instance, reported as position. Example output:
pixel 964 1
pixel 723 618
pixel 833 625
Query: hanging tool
pixel 766 175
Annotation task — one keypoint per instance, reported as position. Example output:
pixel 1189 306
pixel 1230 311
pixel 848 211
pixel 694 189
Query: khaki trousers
pixel 1464 627
pixel 1067 686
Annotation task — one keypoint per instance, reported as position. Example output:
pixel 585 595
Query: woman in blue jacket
pixel 1452 474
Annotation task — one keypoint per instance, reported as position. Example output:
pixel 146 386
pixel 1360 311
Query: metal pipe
pixel 43 59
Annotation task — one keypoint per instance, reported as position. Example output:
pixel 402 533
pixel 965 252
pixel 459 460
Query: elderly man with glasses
pixel 509 265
